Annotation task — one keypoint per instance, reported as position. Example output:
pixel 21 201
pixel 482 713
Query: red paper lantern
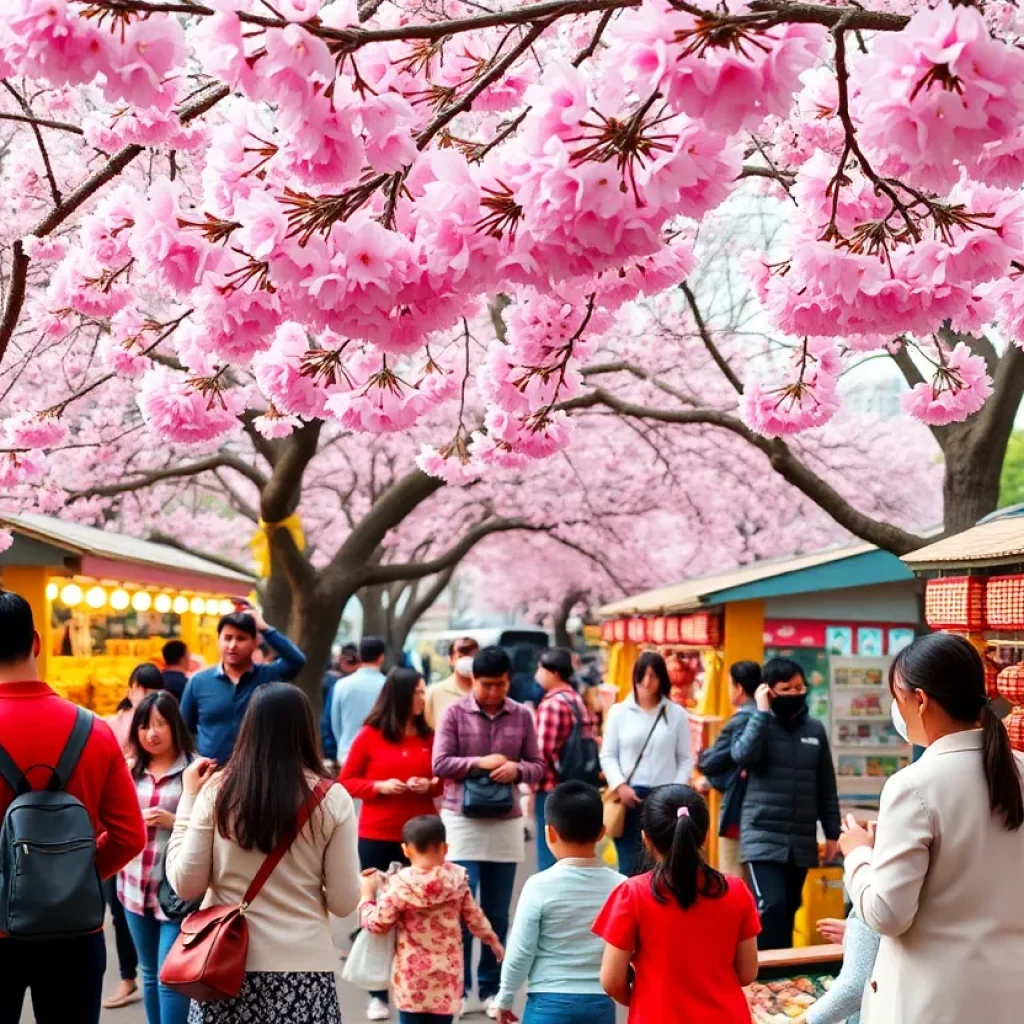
pixel 672 629
pixel 991 678
pixel 1011 684
pixel 701 630
pixel 656 630
pixel 1004 602
pixel 1015 727
pixel 608 631
pixel 636 630
pixel 955 602
pixel 619 630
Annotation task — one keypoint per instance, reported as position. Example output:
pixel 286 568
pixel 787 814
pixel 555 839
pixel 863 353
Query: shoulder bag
pixel 482 797
pixel 207 960
pixel 614 808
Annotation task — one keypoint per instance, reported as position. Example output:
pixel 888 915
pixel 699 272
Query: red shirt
pixel 35 725
pixel 556 715
pixel 372 759
pixel 683 958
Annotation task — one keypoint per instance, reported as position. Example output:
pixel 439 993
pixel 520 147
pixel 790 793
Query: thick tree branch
pixel 222 460
pixel 280 496
pixel 452 557
pixel 783 461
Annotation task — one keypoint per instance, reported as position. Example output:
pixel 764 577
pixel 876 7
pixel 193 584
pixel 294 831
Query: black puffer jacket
pixel 791 785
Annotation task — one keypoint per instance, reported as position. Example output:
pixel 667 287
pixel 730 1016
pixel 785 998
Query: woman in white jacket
pixel 940 880
pixel 646 744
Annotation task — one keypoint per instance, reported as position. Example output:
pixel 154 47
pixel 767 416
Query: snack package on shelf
pixel 778 1002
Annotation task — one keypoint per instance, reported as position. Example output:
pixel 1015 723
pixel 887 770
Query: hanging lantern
pixel 672 629
pixel 120 599
pixel 52 590
pixel 141 601
pixel 1015 727
pixel 197 606
pixel 212 606
pixel 608 631
pixel 1004 602
pixel 955 602
pixel 1010 684
pixel 701 630
pixel 991 677
pixel 162 603
pixel 656 629
pixel 180 605
pixel 95 597
pixel 636 630
pixel 619 630
pixel 71 595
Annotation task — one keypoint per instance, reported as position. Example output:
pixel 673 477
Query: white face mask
pixel 898 722
pixel 464 666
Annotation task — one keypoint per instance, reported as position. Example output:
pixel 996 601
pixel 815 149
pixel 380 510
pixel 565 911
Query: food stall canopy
pixel 855 565
pixel 997 542
pixel 71 548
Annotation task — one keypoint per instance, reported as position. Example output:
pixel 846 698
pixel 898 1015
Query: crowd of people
pixel 403 804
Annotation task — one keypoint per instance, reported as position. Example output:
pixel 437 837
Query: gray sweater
pixel 842 1001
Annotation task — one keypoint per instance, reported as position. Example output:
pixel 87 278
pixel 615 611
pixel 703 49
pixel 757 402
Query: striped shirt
pixel 138 883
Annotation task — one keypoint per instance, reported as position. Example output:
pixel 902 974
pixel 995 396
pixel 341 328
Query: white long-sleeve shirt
pixel 669 755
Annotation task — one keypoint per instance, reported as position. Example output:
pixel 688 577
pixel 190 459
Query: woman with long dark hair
pixel 226 826
pixel 688 932
pixel 389 770
pixel 646 744
pixel 160 750
pixel 930 879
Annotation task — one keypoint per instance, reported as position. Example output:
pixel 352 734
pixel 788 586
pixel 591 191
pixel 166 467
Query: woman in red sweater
pixel 389 770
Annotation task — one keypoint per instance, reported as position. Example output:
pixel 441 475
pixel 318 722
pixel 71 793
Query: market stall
pixel 841 614
pixel 104 602
pixel 975 587
pixel 789 981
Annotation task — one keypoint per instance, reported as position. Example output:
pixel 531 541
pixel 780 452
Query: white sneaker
pixel 378 1010
pixel 491 1007
pixel 470 1004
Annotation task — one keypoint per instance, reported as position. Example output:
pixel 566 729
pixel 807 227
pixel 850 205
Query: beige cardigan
pixel 943 887
pixel 288 924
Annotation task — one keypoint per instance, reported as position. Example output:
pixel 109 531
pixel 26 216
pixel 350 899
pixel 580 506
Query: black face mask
pixel 787 706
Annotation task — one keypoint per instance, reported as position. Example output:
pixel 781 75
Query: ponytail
pixel 676 822
pixel 947 668
pixel 1002 777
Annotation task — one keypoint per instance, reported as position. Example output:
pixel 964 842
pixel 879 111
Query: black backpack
pixel 49 885
pixel 578 758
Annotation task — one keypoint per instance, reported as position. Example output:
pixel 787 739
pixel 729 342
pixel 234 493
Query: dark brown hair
pixel 167 705
pixel 391 713
pixel 264 783
pixel 654 661
pixel 951 672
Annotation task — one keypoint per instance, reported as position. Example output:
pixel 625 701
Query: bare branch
pixel 47 166
pixel 43 122
pixel 705 335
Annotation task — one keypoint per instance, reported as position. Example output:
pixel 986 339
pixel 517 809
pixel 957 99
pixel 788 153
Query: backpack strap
pixel 12 774
pixel 72 751
pixel 284 844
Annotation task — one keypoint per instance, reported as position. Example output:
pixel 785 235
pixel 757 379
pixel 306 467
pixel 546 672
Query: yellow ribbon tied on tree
pixel 260 542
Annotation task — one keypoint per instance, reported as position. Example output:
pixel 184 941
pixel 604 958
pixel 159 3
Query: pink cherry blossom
pixel 959 386
pixel 31 430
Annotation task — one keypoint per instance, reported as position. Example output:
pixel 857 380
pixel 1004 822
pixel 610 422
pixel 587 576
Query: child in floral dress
pixel 428 902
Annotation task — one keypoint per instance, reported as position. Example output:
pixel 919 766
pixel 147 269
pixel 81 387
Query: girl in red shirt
pixel 686 933
pixel 389 770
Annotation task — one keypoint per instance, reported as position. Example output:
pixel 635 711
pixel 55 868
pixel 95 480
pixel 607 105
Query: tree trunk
pixel 562 612
pixel 970 489
pixel 316 615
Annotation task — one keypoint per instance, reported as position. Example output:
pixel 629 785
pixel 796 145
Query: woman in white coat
pixel 940 879
pixel 646 744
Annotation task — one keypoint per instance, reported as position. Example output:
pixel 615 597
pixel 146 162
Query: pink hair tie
pixel 683 812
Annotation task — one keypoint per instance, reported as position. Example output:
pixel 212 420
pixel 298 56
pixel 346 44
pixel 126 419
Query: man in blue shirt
pixel 355 695
pixel 216 698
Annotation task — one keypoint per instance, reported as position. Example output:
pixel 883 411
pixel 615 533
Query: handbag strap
pixel 643 749
pixel 274 857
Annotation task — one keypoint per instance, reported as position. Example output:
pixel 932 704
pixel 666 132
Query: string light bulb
pixel 71 595
pixel 197 606
pixel 52 590
pixel 120 599
pixel 96 598
pixel 180 605
pixel 142 601
pixel 162 603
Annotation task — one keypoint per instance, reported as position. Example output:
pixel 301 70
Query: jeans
pixel 628 846
pixel 545 858
pixel 65 977
pixel 410 1017
pixel 779 891
pixel 494 882
pixel 568 1008
pixel 127 960
pixel 379 854
pixel 153 941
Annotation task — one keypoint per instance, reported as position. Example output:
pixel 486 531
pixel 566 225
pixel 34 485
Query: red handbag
pixel 207 960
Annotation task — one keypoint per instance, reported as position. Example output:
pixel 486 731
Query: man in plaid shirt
pixel 557 713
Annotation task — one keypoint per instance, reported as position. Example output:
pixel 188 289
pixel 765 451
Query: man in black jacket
pixel 722 772
pixel 791 786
